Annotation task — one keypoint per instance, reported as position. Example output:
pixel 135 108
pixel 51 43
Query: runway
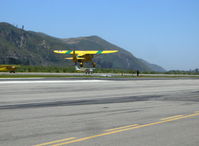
pixel 142 112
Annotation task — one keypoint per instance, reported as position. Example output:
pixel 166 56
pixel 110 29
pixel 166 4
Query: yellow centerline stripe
pixel 125 128
pixel 172 117
pixel 107 133
pixel 55 141
pixel 122 127
pixel 186 116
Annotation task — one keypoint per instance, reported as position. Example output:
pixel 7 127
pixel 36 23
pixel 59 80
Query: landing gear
pixel 89 71
pixel 81 64
pixel 12 71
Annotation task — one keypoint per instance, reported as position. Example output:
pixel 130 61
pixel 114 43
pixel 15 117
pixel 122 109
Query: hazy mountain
pixel 153 66
pixel 123 59
pixel 18 46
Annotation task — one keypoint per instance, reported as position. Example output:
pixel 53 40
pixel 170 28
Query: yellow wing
pixel 81 53
pixel 11 66
pixel 71 58
pixel 8 67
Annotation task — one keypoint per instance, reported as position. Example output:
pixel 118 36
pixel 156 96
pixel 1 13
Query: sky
pixel 163 32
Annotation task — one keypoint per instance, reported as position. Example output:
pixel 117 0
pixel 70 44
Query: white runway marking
pixel 53 81
pixel 19 78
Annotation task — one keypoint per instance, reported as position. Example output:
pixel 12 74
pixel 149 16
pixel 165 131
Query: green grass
pixel 56 69
pixel 71 69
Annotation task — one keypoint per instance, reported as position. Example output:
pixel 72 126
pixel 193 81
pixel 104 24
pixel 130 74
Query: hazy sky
pixel 163 32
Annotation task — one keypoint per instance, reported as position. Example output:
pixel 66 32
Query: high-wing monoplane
pixel 10 68
pixel 82 57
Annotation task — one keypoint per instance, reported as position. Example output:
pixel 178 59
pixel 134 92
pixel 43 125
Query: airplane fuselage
pixel 10 68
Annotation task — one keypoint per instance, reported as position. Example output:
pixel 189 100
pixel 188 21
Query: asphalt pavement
pixel 99 112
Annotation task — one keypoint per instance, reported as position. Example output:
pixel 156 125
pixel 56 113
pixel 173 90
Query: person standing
pixel 138 73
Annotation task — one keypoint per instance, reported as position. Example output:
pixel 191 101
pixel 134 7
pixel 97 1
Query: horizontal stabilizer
pixel 71 58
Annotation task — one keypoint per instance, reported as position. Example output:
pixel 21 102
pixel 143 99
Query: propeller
pixel 74 57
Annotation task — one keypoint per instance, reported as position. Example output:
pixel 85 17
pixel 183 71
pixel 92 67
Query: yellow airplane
pixel 10 68
pixel 83 56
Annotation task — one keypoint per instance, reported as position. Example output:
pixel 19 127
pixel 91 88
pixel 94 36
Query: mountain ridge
pixel 18 46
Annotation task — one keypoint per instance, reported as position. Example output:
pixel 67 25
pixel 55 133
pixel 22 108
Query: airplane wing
pixel 71 58
pixel 11 66
pixel 81 53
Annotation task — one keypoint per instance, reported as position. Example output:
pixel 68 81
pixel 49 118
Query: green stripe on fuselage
pixel 99 52
pixel 68 52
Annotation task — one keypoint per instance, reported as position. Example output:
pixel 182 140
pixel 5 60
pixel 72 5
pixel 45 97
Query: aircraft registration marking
pixel 99 52
pixel 68 52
